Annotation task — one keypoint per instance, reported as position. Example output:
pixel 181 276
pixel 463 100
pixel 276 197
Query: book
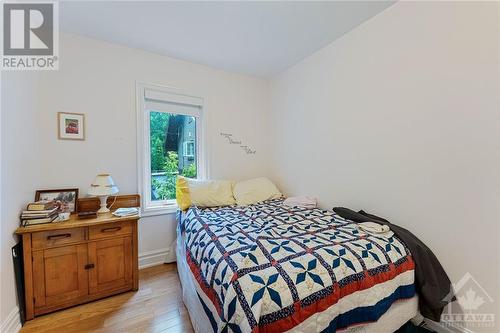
pixel 28 222
pixel 39 213
pixel 29 217
pixel 39 216
pixel 40 205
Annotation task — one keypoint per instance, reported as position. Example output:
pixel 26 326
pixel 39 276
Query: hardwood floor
pixel 156 307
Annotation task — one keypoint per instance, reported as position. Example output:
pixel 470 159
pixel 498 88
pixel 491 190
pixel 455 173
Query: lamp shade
pixel 103 185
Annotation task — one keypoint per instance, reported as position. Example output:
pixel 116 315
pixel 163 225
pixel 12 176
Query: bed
pixel 271 268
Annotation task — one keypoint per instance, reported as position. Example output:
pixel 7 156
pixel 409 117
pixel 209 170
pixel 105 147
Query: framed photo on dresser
pixel 66 199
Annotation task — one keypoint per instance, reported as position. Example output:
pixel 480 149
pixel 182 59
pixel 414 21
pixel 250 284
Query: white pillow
pixel 210 193
pixel 255 190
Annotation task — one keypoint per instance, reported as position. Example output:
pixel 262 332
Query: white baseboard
pixel 443 328
pixel 11 324
pixel 153 258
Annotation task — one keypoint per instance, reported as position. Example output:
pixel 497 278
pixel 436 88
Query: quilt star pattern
pixel 271 268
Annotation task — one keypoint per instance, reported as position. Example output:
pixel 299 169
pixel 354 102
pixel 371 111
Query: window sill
pixel 161 210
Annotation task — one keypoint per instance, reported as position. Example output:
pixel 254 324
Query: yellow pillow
pixel 182 194
pixel 255 190
pixel 203 193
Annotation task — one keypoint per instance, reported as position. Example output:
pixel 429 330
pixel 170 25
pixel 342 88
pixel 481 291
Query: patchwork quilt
pixel 271 268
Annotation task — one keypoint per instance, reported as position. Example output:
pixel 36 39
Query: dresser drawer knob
pixel 60 236
pixel 89 266
pixel 111 229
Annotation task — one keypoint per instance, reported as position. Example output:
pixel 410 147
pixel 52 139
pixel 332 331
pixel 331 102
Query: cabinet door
pixel 112 259
pixel 59 275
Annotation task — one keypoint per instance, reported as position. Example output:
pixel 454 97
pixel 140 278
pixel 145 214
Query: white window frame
pixel 171 95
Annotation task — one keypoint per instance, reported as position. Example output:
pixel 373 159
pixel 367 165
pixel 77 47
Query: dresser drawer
pixel 46 239
pixel 110 230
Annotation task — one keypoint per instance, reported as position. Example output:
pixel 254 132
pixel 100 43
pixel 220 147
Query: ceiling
pixel 254 38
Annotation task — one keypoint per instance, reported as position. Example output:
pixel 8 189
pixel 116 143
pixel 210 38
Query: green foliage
pixel 157 155
pixel 158 125
pixel 190 171
pixel 165 188
pixel 172 163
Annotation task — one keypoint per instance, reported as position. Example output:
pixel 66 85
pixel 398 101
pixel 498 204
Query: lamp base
pixel 104 208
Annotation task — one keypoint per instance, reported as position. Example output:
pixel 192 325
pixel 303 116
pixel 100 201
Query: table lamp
pixel 102 187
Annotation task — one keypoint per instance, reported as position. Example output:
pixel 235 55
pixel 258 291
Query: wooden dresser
pixel 80 260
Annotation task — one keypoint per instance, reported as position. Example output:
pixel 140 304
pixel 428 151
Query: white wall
pixel 401 117
pixel 98 79
pixel 19 171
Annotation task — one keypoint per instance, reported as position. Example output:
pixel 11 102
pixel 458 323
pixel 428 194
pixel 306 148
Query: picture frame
pixel 66 199
pixel 70 126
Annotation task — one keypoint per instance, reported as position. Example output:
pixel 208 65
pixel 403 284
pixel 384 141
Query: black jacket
pixel 431 281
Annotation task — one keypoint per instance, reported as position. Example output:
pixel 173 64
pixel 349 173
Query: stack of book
pixel 39 212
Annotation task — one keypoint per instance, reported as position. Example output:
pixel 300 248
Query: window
pixel 189 149
pixel 169 144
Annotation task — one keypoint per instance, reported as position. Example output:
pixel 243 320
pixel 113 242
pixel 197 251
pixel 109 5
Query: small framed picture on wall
pixel 71 126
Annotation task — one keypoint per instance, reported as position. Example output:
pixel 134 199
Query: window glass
pixel 172 150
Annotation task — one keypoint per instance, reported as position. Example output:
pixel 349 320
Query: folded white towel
pixel 375 228
pixel 301 201
pixel 121 212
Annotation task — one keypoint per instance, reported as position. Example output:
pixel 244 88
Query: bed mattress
pixel 270 268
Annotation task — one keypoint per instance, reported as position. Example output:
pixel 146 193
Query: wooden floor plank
pixel 156 307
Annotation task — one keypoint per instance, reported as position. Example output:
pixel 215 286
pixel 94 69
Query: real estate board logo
pixel 472 308
pixel 30 36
